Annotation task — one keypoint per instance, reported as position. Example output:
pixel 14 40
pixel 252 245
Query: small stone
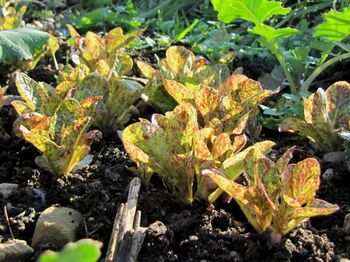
pixel 193 238
pixel 346 226
pixel 15 250
pixel 328 174
pixel 57 225
pixel 157 228
pixel 6 189
pixel 334 157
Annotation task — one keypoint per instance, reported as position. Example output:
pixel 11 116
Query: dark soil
pixel 195 233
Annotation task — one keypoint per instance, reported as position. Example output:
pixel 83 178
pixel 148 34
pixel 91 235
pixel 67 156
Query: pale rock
pixel 6 189
pixel 57 225
pixel 14 251
pixel 346 226
pixel 334 157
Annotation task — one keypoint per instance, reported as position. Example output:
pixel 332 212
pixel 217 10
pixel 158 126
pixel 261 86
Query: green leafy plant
pixel 229 108
pixel 11 18
pixel 45 99
pixel 24 47
pixel 84 250
pixel 182 65
pixel 104 55
pixel 326 115
pixel 61 138
pixel 105 100
pixel 176 148
pixel 278 196
pixel 117 94
pixel 293 60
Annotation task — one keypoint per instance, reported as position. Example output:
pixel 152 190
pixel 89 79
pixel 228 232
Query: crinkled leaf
pixel 147 70
pixel 179 59
pixel 21 44
pixel 178 91
pixel 338 106
pixel 315 207
pixel 256 11
pixel 336 25
pixel 253 200
pixel 315 110
pixel 302 180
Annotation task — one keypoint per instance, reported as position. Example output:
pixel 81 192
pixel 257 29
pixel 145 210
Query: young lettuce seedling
pixel 278 196
pixel 182 65
pixel 104 55
pixel 61 138
pixel 117 95
pixel 45 99
pixel 326 115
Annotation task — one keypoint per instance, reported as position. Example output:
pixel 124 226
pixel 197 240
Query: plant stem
pixel 320 69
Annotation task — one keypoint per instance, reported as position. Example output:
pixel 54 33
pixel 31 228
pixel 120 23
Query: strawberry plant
pixel 182 65
pixel 104 55
pixel 326 114
pixel 61 138
pixel 278 196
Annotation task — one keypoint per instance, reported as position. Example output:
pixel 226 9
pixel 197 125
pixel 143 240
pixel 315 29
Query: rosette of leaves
pixel 182 65
pixel 229 108
pixel 117 94
pixel 62 138
pixel 45 99
pixel 104 55
pixel 278 196
pixel 174 147
pixel 326 114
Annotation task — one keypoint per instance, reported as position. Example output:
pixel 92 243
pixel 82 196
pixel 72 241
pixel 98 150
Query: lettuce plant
pixel 326 114
pixel 177 149
pixel 105 100
pixel 11 18
pixel 104 55
pixel 182 65
pixel 117 94
pixel 61 138
pixel 45 99
pixel 278 196
pixel 229 108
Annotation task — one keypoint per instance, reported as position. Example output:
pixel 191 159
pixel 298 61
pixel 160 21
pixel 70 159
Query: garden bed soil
pixel 199 232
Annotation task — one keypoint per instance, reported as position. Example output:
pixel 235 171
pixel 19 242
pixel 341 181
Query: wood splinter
pixel 127 234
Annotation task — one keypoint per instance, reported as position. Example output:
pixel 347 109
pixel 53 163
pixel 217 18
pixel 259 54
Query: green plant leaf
pixel 256 11
pixel 336 25
pixel 84 250
pixel 21 44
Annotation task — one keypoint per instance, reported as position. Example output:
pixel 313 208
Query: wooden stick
pixel 127 234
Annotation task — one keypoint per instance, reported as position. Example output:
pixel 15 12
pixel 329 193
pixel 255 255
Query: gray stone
pixel 346 226
pixel 6 189
pixel 57 225
pixel 15 250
